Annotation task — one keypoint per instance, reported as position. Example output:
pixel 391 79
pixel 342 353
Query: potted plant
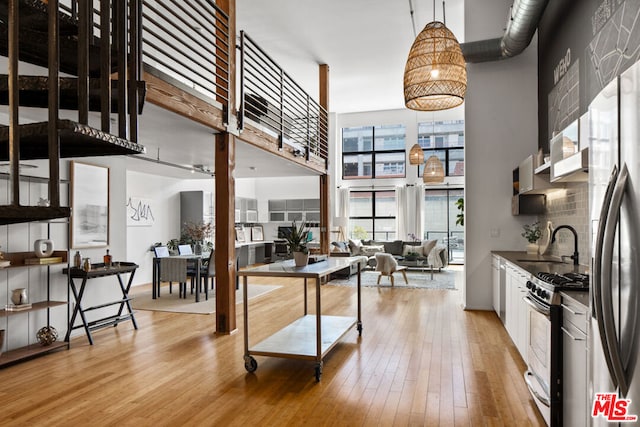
pixel 297 242
pixel 197 232
pixel 532 233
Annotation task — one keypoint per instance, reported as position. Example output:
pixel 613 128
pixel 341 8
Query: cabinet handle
pixel 566 307
pixel 571 336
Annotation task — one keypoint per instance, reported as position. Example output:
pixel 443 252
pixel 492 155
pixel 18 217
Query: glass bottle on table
pixel 107 259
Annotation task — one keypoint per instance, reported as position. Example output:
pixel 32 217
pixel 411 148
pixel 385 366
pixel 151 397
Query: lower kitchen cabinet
pixel 574 363
pixel 517 319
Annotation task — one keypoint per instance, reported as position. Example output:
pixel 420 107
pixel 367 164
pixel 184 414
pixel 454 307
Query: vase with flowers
pixel 532 233
pixel 197 232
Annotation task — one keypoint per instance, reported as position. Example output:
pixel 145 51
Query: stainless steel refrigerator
pixel 614 188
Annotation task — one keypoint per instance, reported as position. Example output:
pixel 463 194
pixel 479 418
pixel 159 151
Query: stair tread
pixel 34 92
pixel 10 214
pixel 76 140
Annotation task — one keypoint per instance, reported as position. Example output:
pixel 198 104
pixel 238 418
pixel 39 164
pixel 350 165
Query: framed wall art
pixel 257 234
pixel 89 205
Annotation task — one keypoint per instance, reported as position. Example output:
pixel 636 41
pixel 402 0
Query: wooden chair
pixel 386 264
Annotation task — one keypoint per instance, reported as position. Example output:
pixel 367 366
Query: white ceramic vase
pixel 43 247
pixel 532 248
pixel 301 259
pixel 19 296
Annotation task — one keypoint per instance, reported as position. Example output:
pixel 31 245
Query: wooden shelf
pixel 34 307
pixel 17 258
pixel 30 351
pixel 76 140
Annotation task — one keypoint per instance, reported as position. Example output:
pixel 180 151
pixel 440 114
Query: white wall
pixel 501 129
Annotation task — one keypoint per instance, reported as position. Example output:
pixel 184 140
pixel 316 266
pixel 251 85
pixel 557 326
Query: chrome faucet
pixel 574 257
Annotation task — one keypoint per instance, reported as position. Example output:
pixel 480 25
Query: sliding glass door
pixel 440 221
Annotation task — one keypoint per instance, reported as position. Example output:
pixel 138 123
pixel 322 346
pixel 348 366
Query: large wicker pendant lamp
pixel 433 171
pixel 435 77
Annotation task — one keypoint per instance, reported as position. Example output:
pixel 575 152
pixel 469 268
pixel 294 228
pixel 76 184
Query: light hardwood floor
pixel 421 360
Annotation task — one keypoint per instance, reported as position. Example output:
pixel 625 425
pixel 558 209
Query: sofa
pixel 424 254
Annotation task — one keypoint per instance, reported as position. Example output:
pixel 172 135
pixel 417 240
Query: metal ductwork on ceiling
pixel 523 21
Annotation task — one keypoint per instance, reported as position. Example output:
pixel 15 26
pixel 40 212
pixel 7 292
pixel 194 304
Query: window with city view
pixel 372 215
pixel 373 152
pixel 444 139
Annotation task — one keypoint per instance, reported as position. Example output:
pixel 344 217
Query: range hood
pixel 568 163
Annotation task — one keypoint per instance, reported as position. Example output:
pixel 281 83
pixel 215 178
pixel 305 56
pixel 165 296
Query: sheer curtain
pixel 342 213
pixel 402 209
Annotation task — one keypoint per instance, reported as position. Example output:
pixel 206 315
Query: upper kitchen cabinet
pixel 570 153
pixel 530 182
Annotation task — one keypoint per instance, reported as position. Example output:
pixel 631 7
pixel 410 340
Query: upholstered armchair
pixel 386 264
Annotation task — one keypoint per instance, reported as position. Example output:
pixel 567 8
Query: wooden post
pixel 324 179
pixel 225 256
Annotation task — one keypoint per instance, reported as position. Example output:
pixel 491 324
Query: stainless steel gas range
pixel 544 376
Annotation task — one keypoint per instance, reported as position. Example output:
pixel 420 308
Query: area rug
pixel 445 279
pixel 172 303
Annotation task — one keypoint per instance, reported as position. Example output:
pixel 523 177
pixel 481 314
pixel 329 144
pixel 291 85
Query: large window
pixel 373 152
pixel 444 139
pixel 440 215
pixel 372 215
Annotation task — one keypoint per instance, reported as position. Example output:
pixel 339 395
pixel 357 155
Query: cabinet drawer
pixel 574 314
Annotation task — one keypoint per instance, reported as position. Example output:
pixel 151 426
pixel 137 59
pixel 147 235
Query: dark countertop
pixel 579 297
pixel 543 263
pixel 540 263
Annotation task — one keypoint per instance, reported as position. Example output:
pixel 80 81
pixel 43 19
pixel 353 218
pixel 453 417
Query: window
pixel 372 215
pixel 440 215
pixel 373 152
pixel 444 139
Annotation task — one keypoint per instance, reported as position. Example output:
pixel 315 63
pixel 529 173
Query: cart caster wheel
pixel 318 372
pixel 359 329
pixel 250 364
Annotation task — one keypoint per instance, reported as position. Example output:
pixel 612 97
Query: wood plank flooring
pixel 421 360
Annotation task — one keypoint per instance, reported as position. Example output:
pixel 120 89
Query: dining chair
pixel 174 269
pixel 386 264
pixel 161 252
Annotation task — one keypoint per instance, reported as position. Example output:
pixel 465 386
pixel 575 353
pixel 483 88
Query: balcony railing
pixel 272 99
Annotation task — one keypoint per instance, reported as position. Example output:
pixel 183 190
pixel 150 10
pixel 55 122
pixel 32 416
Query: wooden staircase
pixel 71 39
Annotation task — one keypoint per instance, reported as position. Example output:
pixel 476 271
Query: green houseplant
pixel 297 242
pixel 532 233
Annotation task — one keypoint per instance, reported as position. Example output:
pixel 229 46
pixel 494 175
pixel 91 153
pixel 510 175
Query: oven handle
pixel 543 399
pixel 537 306
pixel 611 337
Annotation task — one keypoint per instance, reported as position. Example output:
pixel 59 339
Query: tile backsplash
pixel 569 207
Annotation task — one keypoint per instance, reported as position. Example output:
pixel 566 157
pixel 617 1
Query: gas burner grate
pixel 567 280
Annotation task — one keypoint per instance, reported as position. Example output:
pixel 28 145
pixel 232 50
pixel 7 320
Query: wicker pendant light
pixel 433 171
pixel 416 155
pixel 435 76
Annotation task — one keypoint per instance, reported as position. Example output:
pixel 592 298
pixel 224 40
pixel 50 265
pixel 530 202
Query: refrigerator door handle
pixel 610 336
pixel 597 270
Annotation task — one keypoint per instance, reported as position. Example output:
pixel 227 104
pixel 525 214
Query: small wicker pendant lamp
pixel 433 171
pixel 435 76
pixel 416 155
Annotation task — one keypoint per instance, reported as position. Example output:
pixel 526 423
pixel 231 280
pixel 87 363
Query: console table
pixel 311 336
pixel 100 270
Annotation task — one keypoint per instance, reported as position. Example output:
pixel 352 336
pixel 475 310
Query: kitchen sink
pixel 546 261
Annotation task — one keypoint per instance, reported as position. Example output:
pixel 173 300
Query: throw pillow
pixel 354 246
pixel 371 250
pixel 427 246
pixel 338 247
pixel 411 248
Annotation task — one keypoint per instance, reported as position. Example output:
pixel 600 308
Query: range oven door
pixel 538 376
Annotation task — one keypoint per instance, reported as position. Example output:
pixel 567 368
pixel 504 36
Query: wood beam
pixel 324 179
pixel 225 256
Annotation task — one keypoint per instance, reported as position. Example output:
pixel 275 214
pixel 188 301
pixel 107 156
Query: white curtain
pixel 342 214
pixel 417 219
pixel 402 209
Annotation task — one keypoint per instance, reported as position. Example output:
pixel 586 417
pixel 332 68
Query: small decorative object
pixel 297 241
pixel 532 233
pixel 77 260
pixel 3 262
pixel 47 335
pixel 43 202
pixel 107 259
pixel 86 265
pixel 43 248
pixel 19 296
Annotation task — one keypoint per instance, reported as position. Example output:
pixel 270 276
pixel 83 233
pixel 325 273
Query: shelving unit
pixel 45 303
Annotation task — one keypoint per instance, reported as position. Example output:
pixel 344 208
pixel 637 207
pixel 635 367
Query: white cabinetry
pixel 574 363
pixel 495 269
pixel 516 309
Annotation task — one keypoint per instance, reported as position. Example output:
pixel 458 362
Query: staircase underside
pixel 34 92
pixel 76 140
pixel 10 214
